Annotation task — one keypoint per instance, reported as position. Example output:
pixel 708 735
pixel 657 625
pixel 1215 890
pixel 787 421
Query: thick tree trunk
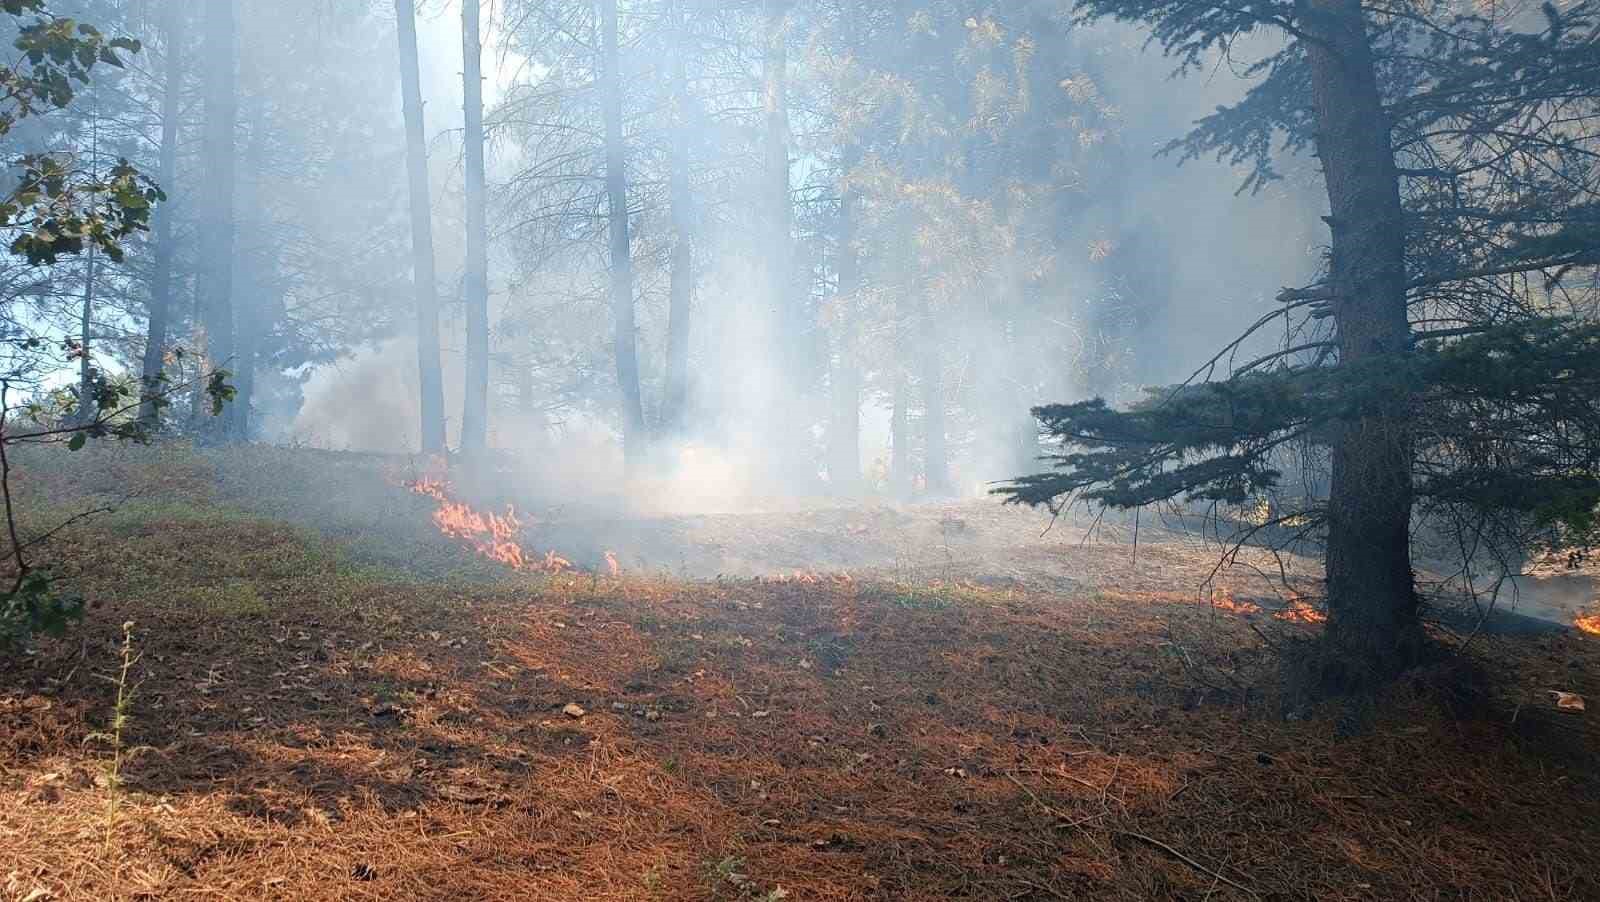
pixel 899 440
pixel 779 216
pixel 790 328
pixel 681 290
pixel 1372 630
pixel 475 285
pixel 245 349
pixel 625 341
pixel 1008 442
pixel 429 371
pixel 155 344
pixel 844 438
pixel 256 263
pixel 936 459
pixel 216 219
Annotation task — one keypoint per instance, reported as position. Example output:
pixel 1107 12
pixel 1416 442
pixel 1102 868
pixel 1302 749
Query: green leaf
pixel 77 441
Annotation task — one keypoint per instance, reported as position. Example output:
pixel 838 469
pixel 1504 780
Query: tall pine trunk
pixel 475 285
pixel 788 426
pixel 681 289
pixel 87 409
pixel 900 479
pixel 625 341
pixel 256 260
pixel 1372 629
pixel 775 148
pixel 429 371
pixel 936 458
pixel 844 438
pixel 155 344
pixel 216 218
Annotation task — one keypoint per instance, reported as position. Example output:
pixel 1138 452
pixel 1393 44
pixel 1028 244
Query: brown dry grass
pixel 317 732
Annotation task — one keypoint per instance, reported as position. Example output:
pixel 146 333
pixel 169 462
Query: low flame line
pixel 492 535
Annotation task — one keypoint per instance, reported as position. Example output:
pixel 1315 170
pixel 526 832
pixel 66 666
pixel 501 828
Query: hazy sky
pixel 439 52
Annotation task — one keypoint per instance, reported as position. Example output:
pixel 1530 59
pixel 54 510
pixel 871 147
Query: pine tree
pixel 475 285
pixel 1445 358
pixel 430 378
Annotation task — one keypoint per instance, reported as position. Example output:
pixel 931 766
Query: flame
pixel 806 577
pixel 489 534
pixel 1300 612
pixel 1223 600
pixel 611 563
pixel 1589 623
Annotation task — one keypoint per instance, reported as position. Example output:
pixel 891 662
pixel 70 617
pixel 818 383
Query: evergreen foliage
pixel 1490 121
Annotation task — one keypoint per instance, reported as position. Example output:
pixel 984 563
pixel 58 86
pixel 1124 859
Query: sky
pixel 439 57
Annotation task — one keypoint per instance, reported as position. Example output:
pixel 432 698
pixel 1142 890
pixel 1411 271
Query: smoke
pixel 369 401
pixel 1148 281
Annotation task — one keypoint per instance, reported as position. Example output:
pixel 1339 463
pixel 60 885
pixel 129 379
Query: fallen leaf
pixel 1570 701
pixel 574 710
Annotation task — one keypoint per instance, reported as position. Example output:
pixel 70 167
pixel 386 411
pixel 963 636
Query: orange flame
pixel 1300 612
pixel 611 563
pixel 1589 623
pixel 807 577
pixel 491 535
pixel 1223 600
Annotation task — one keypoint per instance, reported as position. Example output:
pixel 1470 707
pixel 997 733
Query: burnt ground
pixel 330 710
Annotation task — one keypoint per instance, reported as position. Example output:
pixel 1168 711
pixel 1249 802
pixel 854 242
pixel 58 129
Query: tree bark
pixel 155 345
pixel 246 345
pixel 936 459
pixel 899 440
pixel 787 319
pixel 1372 631
pixel 216 219
pixel 424 278
pixel 625 341
pixel 681 289
pixel 86 370
pixel 844 439
pixel 256 261
pixel 779 252
pixel 475 285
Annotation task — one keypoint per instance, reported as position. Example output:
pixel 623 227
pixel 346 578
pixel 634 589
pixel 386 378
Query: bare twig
pixel 1156 843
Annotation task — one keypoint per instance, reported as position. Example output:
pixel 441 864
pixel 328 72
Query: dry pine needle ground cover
pixel 305 727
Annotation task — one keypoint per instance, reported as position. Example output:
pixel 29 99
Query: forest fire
pixel 1588 623
pixel 1296 611
pixel 1300 612
pixel 1223 600
pixel 491 535
pixel 806 577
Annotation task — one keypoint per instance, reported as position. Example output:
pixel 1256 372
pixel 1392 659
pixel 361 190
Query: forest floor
pixel 332 701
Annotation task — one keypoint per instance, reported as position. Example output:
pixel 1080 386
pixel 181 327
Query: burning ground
pixel 337 700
